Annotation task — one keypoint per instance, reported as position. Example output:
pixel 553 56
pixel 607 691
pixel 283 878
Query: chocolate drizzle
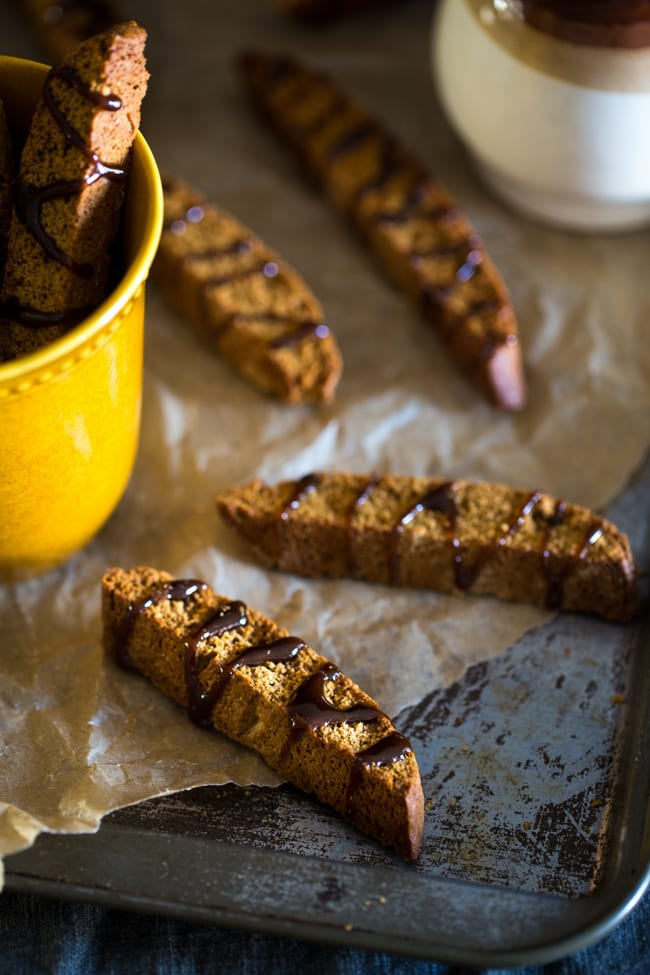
pixel 555 580
pixel 34 318
pixel 469 250
pixel 442 499
pixel 393 748
pixel 439 302
pixel 365 130
pixel 307 329
pixel 240 246
pixel 308 708
pixel 236 275
pixel 201 702
pixel 299 329
pixel 359 500
pixel 302 488
pixel 177 589
pixel 30 199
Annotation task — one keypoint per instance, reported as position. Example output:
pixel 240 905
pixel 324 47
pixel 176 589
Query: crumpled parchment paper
pixel 79 736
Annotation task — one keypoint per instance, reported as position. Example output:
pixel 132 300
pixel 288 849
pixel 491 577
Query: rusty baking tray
pixel 536 773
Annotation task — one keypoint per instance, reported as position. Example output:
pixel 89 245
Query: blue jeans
pixel 49 937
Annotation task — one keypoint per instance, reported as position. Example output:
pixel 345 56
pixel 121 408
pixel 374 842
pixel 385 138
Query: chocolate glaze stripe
pixel 469 574
pixel 307 709
pixel 195 214
pixel 555 580
pixel 262 266
pixel 362 132
pixel 557 577
pixel 302 330
pixel 442 499
pixel 433 303
pixel 359 500
pixel 415 211
pixel 279 651
pixel 200 702
pixel 230 616
pixel 303 487
pixel 391 158
pixel 393 748
pixel 30 198
pixel 176 590
pixel 109 103
pixel 306 130
pixel 298 330
pixel 469 249
pixel 13 310
pixel 282 71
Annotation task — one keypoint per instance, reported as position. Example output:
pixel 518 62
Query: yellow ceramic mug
pixel 70 412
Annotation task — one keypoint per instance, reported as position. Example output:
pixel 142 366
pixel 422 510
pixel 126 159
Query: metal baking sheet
pixel 536 773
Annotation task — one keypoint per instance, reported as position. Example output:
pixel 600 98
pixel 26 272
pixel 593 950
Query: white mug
pixel 554 109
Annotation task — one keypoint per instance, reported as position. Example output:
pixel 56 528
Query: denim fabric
pixel 48 937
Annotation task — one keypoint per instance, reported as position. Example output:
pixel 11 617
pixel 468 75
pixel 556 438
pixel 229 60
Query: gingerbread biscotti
pixel 236 670
pixel 250 305
pixel 70 189
pixel 450 536
pixel 417 233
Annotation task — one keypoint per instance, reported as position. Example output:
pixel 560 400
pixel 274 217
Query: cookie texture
pixel 241 673
pixel 420 237
pixel 70 188
pixel 451 536
pixel 250 305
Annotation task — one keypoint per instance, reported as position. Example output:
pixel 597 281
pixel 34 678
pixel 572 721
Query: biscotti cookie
pixel 70 188
pixel 253 308
pixel 419 236
pixel 63 25
pixel 451 536
pixel 239 672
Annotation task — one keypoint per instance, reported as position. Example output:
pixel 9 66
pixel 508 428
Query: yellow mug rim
pixel 136 272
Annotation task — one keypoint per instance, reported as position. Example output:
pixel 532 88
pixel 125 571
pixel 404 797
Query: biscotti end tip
pixel 251 512
pixel 506 384
pixel 239 672
pixel 414 803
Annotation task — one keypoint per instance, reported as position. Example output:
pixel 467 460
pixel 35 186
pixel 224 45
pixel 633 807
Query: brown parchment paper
pixel 78 736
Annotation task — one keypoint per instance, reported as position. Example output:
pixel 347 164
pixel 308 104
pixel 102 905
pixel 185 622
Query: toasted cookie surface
pixel 450 536
pixel 238 671
pixel 419 236
pixel 252 307
pixel 70 188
